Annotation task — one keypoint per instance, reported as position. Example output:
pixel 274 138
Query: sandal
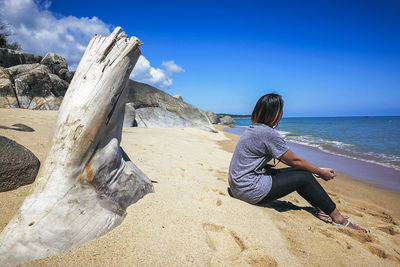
pixel 319 214
pixel 348 224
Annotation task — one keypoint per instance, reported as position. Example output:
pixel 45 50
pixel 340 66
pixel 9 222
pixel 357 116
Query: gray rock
pixel 178 97
pixel 59 87
pixel 129 115
pixel 212 117
pixel 18 165
pixel 6 86
pixel 55 62
pixel 35 83
pixel 176 112
pixel 8 98
pixel 18 69
pixel 9 58
pixel 156 117
pixel 68 76
pixel 227 120
pixel 46 103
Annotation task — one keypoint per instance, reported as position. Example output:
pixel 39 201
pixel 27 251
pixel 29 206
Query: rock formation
pixel 226 120
pixel 33 82
pixel 18 165
pixel 157 109
pixel 34 86
pixel 8 99
pixel 212 117
pixel 87 181
pixel 9 58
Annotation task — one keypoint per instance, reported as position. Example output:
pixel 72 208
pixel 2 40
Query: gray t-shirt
pixel 257 145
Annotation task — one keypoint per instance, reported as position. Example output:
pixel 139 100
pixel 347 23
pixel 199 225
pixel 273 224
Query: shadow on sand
pixel 18 127
pixel 283 206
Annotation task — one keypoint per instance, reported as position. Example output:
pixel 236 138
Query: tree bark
pixel 87 181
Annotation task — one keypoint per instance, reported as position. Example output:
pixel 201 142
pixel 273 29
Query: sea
pixel 367 147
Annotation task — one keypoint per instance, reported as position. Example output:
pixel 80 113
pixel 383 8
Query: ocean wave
pixel 343 149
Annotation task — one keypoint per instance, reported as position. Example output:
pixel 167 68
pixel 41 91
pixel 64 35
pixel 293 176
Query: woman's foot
pixel 323 216
pixel 348 223
pixel 343 221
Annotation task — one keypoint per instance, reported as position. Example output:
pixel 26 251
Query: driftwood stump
pixel 87 181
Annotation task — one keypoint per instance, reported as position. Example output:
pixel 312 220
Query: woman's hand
pixel 327 173
pixel 291 159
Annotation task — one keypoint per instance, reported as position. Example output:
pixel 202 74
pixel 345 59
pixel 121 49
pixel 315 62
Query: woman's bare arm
pixel 291 159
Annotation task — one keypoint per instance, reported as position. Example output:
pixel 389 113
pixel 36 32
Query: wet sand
pixel 191 220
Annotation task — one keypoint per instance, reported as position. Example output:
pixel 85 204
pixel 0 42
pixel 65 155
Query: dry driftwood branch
pixel 87 181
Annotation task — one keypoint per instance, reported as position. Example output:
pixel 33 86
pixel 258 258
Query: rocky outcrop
pixel 156 117
pixel 41 83
pixel 9 58
pixel 18 69
pixel 212 117
pixel 8 98
pixel 157 109
pixel 227 120
pixel 35 86
pixel 34 89
pixel 220 119
pixel 59 86
pixel 56 63
pixel 18 165
pixel 178 97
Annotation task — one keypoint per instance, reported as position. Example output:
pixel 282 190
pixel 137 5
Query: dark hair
pixel 268 108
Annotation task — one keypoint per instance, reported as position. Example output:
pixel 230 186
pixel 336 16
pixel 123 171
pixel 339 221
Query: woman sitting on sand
pixel 252 180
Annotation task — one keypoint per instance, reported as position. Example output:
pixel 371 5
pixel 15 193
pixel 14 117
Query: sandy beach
pixel 191 220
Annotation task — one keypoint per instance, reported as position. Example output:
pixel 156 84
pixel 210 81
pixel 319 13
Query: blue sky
pixel 326 58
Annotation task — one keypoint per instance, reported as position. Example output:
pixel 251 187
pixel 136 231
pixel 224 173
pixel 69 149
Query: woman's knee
pixel 308 177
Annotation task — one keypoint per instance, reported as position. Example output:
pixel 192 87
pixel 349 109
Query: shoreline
pixel 383 176
pixel 191 220
pixel 343 183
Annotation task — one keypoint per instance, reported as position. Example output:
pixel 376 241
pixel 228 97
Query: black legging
pixel 288 180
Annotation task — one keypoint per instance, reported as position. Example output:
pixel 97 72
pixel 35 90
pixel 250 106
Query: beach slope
pixel 191 219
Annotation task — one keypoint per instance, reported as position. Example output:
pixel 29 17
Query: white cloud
pixel 39 31
pixel 158 77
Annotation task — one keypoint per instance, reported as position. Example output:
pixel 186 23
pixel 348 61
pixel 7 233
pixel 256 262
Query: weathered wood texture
pixel 87 181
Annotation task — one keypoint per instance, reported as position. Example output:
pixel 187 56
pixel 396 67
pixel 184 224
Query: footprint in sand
pixel 229 246
pixel 223 240
pixel 360 236
pixel 255 257
pixel 221 175
pixel 388 230
pixel 382 254
pixel 219 192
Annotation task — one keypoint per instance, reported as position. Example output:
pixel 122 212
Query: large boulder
pixel 164 110
pixel 66 75
pixel 56 63
pixel 18 69
pixel 212 117
pixel 46 103
pixel 227 120
pixel 18 165
pixel 8 98
pixel 156 117
pixel 59 86
pixel 9 58
pixel 34 83
pixel 35 87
